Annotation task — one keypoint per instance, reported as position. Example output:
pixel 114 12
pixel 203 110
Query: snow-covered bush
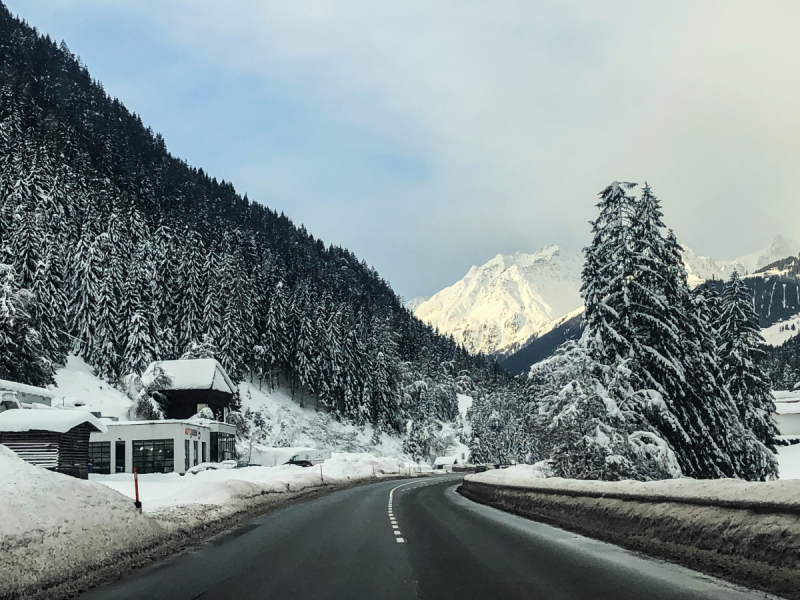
pixel 592 425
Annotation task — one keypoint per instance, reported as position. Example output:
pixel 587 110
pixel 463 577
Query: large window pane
pixel 100 457
pixel 154 456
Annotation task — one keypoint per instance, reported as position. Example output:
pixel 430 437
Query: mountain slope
pixel 497 307
pixel 115 250
pixel 780 248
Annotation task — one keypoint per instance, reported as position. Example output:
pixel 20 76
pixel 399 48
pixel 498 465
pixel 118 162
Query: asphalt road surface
pixel 404 540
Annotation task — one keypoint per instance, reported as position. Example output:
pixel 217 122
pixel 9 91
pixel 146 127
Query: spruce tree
pixel 607 274
pixel 741 352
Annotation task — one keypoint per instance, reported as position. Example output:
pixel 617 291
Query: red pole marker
pixel 136 502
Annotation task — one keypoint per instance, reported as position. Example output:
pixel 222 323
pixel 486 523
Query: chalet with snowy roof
pixel 186 387
pixel 55 439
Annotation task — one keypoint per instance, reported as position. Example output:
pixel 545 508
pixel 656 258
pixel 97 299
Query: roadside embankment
pixel 748 533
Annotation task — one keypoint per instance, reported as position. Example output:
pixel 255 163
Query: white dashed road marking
pixel 392 520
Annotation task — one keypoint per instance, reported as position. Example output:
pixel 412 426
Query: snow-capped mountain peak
pixel 781 247
pixel 501 304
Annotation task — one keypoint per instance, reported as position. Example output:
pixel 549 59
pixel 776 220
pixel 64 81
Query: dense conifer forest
pixel 119 252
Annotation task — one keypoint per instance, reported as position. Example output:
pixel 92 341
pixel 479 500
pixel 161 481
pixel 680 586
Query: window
pixel 223 446
pixel 186 464
pixel 100 457
pixel 119 456
pixel 195 452
pixel 154 456
pixel 203 446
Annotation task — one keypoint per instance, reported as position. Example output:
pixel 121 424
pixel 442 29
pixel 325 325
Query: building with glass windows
pixel 169 446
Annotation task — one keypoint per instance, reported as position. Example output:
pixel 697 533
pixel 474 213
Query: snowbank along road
pixel 436 545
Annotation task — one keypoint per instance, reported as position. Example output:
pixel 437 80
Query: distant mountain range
pixel 502 306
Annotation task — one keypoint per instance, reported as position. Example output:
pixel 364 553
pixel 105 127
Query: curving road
pixel 408 540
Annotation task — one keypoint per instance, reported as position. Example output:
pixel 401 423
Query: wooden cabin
pixel 185 387
pixel 54 439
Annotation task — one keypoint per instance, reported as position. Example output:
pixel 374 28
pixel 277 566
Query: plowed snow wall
pixel 755 545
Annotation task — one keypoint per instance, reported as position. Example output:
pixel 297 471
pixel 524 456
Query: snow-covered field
pixel 779 333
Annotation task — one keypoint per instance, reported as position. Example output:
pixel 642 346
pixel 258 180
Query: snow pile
pixel 227 490
pixel 707 491
pixel 78 387
pixel 51 523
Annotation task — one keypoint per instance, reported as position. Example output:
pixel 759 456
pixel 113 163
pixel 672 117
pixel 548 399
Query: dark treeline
pixel 783 364
pixel 118 251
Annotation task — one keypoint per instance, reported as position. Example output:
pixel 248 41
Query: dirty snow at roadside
pixel 726 490
pixel 51 523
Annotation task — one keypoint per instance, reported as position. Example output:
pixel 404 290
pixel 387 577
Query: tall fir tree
pixel 741 352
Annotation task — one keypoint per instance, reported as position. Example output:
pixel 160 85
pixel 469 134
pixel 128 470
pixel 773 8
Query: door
pixel 119 457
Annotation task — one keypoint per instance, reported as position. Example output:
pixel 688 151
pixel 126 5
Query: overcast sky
pixel 429 136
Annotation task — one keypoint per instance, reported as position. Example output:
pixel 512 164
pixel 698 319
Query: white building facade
pixel 160 446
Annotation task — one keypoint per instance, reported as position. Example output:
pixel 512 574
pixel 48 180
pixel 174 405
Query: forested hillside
pixel 783 364
pixel 119 252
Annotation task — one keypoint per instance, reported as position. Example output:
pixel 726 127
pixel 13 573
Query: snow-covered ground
pixel 712 490
pixel 226 488
pixel 78 387
pixel 777 334
pixel 278 421
pixel 51 523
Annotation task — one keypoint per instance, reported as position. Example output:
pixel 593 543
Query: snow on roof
pixel 445 460
pixel 13 386
pixel 192 374
pixel 47 420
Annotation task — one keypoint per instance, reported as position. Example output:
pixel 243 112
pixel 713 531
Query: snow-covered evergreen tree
pixel 641 314
pixel 607 275
pixel 741 351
